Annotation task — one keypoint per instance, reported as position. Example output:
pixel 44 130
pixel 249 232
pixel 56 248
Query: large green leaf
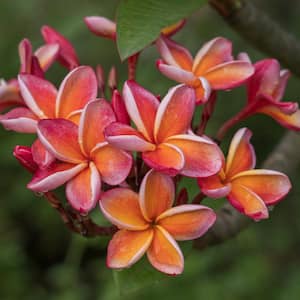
pixel 139 22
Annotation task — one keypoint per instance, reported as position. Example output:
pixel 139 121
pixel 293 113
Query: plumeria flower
pixel 149 224
pixel 36 63
pixel 106 28
pixel 162 132
pixel 249 190
pixel 45 102
pixel 265 91
pixel 213 67
pixel 85 159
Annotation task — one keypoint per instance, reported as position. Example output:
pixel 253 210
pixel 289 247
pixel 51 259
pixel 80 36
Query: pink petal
pixel 25 54
pixel 113 164
pixel 77 89
pixel 187 222
pixel 9 94
pixel 141 106
pixel 41 156
pixel 289 121
pixel 60 137
pixel 121 207
pixel 213 53
pixel 83 190
pixel 57 174
pixel 176 73
pixel 101 26
pixel 39 95
pixel 119 108
pixel 174 54
pixel 127 247
pixel 175 113
pixel 127 138
pixel 46 55
pixel 24 156
pixel 247 202
pixel 202 157
pixel 164 253
pixel 165 158
pixel 20 119
pixel 157 193
pixel 241 155
pixel 270 186
pixel 96 116
pixel 280 88
pixel 229 75
pixel 67 55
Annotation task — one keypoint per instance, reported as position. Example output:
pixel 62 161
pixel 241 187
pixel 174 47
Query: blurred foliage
pixel 40 259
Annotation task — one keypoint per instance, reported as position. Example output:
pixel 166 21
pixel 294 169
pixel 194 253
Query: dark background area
pixel 41 259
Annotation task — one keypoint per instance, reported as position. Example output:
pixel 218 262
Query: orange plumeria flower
pixel 213 67
pixel 148 223
pixel 84 157
pixel 249 191
pixel 43 101
pixel 162 133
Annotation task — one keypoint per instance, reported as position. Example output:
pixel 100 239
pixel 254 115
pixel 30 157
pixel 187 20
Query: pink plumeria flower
pixel 149 224
pixel 162 132
pixel 67 55
pixel 213 67
pixel 45 102
pixel 84 157
pixel 265 91
pixel 36 63
pixel 249 190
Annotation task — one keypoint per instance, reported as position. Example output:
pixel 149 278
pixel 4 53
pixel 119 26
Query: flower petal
pixel 175 112
pixel 46 55
pixel 121 207
pixel 24 155
pixel 284 75
pixel 127 247
pixel 213 187
pixel 41 156
pixel 214 52
pixel 83 190
pixel 57 174
pixel 165 158
pixel 176 73
pixel 203 90
pixel 270 186
pixel 19 119
pixel 25 54
pixel 289 121
pixel 76 90
pixel 39 95
pixel 95 117
pixel 60 137
pixel 118 105
pixel 101 26
pixel 157 193
pixel 164 253
pixel 141 106
pixel 202 157
pixel 174 54
pixel 241 155
pixel 172 29
pixel 127 138
pixel 187 222
pixel 9 94
pixel 67 55
pixel 229 75
pixel 247 202
pixel 113 164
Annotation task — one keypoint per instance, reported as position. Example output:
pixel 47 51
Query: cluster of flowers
pixel 97 148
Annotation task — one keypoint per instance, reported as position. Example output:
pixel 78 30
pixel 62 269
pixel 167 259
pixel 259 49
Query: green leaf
pixel 139 22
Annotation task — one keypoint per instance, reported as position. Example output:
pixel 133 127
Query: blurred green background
pixel 41 259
